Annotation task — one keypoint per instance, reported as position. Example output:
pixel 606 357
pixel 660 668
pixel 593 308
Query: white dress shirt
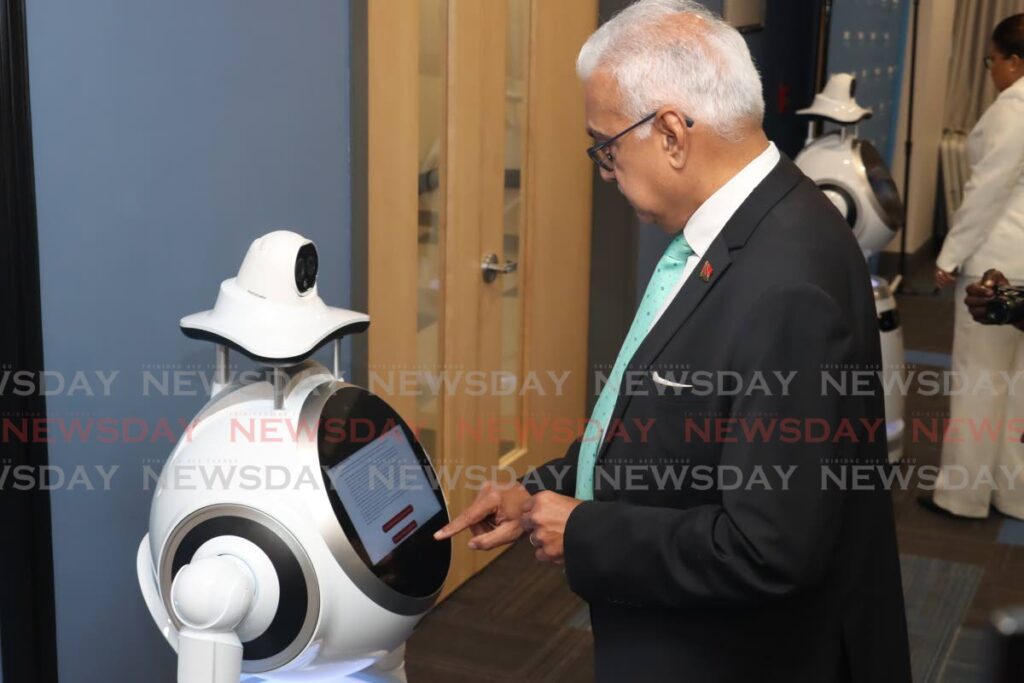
pixel 711 216
pixel 988 228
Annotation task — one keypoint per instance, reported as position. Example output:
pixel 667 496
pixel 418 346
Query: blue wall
pixel 167 136
pixel 868 38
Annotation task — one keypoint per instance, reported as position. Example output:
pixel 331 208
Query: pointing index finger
pixel 479 510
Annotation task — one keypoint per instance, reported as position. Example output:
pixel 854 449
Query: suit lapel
pixel 710 269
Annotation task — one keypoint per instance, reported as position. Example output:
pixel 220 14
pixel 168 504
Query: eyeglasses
pixel 600 153
pixel 988 61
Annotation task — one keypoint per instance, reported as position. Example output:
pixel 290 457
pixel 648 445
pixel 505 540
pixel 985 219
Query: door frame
pixel 28 633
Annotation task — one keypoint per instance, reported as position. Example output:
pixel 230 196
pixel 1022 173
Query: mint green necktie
pixel 666 275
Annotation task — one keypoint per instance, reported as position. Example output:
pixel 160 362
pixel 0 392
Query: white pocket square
pixel 658 379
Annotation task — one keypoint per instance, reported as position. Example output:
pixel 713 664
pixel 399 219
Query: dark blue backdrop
pixel 167 136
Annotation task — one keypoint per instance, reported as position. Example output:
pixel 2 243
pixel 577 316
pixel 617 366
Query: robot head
pixel 271 311
pixel 280 266
pixel 836 102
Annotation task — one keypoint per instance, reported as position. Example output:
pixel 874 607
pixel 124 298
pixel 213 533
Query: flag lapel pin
pixel 706 271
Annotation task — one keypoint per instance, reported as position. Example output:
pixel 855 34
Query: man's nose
pixel 606 175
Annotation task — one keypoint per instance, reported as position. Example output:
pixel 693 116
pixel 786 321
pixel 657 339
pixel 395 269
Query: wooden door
pixel 476 148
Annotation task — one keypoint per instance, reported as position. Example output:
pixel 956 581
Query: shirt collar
pixel 711 216
pixel 1016 89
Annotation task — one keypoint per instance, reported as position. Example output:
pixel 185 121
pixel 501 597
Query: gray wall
pixel 167 136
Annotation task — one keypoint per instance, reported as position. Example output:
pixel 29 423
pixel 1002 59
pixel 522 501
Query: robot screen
pixel 383 491
pixel 882 185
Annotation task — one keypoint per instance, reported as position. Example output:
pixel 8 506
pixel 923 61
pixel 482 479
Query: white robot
pixel 291 532
pixel 852 174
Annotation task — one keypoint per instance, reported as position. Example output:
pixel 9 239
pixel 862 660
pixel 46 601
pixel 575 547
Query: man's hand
pixel 493 518
pixel 943 278
pixel 545 516
pixel 979 294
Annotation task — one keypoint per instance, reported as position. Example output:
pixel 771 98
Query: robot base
pixel 391 669
pixel 891 338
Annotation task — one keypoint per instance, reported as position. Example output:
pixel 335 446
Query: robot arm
pixel 226 595
pixel 211 596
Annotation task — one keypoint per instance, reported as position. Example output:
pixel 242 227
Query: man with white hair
pixel 717 536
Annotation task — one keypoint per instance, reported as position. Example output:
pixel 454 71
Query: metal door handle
pixel 491 270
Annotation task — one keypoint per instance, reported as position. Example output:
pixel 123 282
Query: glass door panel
pixel 433 21
pixel 517 68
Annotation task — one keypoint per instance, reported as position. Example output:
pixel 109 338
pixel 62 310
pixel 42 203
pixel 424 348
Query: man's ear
pixel 675 136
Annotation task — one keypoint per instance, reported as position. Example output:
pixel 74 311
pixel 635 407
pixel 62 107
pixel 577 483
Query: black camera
pixel 306 266
pixel 1006 307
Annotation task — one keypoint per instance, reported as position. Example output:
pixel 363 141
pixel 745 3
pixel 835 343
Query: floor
pixel 517 620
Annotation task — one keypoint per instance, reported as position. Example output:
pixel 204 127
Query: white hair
pixel 677 52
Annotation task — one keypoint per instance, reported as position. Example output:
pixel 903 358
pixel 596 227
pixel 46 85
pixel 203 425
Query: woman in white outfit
pixel 982 456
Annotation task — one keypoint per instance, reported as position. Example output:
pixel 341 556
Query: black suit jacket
pixel 689 580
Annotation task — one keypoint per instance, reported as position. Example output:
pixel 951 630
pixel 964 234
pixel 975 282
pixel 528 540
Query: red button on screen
pixel 406 530
pixel 393 522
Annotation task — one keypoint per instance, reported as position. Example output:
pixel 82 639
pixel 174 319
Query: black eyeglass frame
pixel 594 151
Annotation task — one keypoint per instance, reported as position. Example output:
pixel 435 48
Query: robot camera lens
pixel 306 263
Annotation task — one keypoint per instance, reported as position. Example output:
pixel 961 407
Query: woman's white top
pixel 988 228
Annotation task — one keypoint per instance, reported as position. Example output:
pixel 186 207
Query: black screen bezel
pixel 419 566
